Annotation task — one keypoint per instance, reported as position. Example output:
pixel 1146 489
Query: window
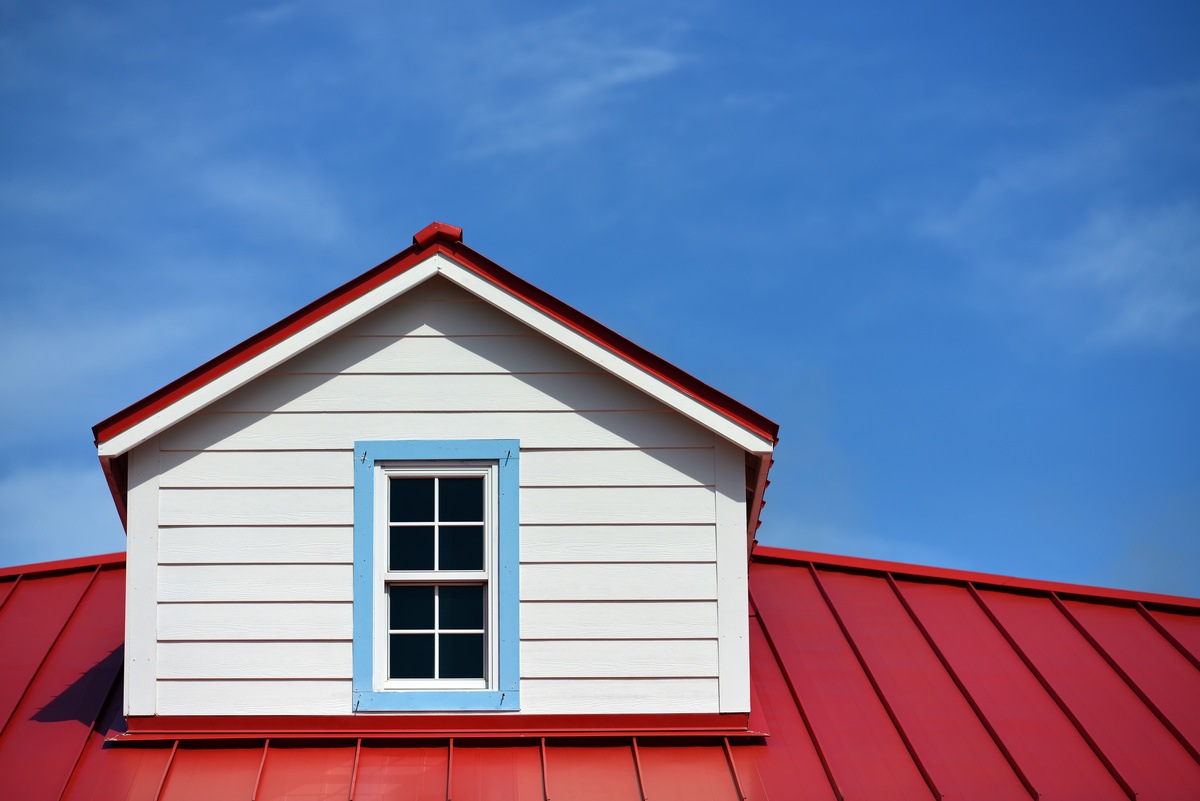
pixel 436 575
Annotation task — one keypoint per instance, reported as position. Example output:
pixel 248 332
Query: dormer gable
pixel 437 489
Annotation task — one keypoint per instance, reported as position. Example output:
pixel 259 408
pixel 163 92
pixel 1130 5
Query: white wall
pixel 620 560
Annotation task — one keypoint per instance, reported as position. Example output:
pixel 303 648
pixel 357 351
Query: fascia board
pixel 602 357
pixel 268 359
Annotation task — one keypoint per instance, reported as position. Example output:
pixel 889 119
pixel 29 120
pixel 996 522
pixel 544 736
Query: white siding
pixel 619 518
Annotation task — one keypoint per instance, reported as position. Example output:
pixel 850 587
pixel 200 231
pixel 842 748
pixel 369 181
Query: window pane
pixel 460 548
pixel 411 500
pixel 461 656
pixel 460 499
pixel 411 656
pixel 460 606
pixel 410 548
pixel 412 607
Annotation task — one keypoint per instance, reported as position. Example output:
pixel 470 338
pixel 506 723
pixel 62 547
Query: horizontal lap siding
pixel 333 430
pixel 618 529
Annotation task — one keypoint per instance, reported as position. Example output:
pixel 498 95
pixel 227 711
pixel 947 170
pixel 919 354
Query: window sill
pixel 437 701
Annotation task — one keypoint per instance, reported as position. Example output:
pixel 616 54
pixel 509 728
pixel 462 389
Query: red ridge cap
pixel 786 556
pixel 437 232
pixel 65 565
pixel 445 239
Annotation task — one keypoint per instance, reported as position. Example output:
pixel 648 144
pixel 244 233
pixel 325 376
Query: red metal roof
pixel 875 681
pixel 447 240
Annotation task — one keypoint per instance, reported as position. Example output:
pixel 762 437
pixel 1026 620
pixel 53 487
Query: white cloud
pixel 50 511
pixel 513 87
pixel 271 15
pixel 287 199
pixel 1067 237
pixel 1140 270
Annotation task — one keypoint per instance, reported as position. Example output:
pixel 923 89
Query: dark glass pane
pixel 410 548
pixel 460 548
pixel 460 606
pixel 411 500
pixel 412 607
pixel 461 656
pixel 460 499
pixel 411 656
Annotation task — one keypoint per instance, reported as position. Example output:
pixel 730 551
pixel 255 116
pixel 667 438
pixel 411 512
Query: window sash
pixel 385 470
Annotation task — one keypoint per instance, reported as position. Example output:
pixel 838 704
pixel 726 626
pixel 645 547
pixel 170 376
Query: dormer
pixel 437 489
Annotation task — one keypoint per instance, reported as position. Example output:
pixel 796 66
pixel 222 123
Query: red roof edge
pixel 597 332
pixel 445 239
pixel 246 350
pixel 65 565
pixel 786 556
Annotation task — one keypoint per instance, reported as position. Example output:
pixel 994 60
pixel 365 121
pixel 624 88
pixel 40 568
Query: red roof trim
pixel 786 556
pixel 437 232
pixel 443 239
pixel 425 726
pixel 601 334
pixel 108 560
pixel 241 353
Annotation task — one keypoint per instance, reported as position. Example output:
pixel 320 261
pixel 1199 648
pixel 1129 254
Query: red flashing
pixel 437 232
pixel 425 726
pixel 447 240
pixel 787 556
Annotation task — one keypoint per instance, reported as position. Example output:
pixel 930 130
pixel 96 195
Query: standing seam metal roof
pixel 875 681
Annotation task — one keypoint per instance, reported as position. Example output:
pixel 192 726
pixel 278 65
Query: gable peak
pixel 437 232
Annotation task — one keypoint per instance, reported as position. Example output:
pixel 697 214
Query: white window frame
pixel 385 578
pixel 374 462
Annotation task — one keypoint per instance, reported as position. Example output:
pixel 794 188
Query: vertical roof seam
pixel 1125 677
pixel 87 737
pixel 637 768
pixel 1168 636
pixel 354 768
pixel 787 679
pixel 162 781
pixel 12 591
pixel 545 777
pixel 1037 674
pixel 50 650
pixel 737 781
pixel 912 751
pixel 1033 793
pixel 262 763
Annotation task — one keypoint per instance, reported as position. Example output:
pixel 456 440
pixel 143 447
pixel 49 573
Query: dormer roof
pixel 437 249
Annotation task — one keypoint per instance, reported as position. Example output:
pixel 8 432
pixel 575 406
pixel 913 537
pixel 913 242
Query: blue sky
pixel 953 250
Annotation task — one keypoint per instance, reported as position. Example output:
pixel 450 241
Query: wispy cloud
pixel 551 82
pixel 1138 270
pixel 1066 237
pixel 288 199
pixel 516 87
pixel 271 14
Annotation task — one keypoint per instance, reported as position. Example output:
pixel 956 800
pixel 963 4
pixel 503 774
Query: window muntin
pixel 436 595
